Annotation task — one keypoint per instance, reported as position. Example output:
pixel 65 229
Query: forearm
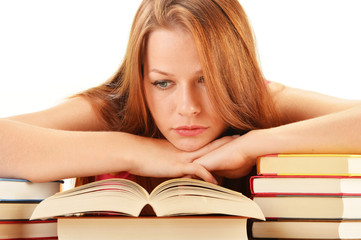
pixel 333 133
pixel 41 154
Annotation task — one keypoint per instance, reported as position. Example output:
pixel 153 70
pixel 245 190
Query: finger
pixel 191 177
pixel 188 157
pixel 187 176
pixel 212 146
pixel 200 171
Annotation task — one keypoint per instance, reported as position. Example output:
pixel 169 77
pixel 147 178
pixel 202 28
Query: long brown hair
pixel 226 47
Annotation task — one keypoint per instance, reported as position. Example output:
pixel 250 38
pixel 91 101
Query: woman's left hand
pixel 230 159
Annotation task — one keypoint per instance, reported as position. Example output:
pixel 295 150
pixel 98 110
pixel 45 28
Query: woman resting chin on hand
pixel 189 99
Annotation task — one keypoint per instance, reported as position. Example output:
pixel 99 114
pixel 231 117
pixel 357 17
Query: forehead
pixel 171 46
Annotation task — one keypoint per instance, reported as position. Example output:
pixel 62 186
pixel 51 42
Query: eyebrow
pixel 161 72
pixel 170 74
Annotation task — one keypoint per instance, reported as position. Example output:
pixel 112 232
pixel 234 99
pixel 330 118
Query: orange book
pixel 310 164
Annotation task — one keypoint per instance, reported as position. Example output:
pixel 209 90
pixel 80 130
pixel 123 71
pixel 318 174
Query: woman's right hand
pixel 159 158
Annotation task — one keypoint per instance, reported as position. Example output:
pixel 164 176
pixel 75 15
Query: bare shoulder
pixel 296 104
pixel 74 114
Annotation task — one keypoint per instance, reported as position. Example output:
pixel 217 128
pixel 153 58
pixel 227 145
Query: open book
pixel 170 198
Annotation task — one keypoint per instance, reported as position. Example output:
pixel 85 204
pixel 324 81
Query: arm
pixel 315 123
pixel 44 146
pixel 75 114
pixel 297 105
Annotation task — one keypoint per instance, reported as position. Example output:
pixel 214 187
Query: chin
pixel 189 146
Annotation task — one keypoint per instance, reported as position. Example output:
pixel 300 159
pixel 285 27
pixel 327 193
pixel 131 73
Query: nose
pixel 188 101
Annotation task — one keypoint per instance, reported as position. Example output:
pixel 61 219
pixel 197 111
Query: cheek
pixel 217 120
pixel 149 96
pixel 161 113
pixel 150 101
pixel 158 106
pixel 214 115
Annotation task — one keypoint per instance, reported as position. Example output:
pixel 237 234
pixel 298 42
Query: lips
pixel 190 131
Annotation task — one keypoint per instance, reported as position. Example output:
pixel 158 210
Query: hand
pixel 230 159
pixel 159 158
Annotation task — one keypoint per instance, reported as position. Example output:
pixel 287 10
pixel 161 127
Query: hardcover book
pixel 17 210
pixel 153 228
pixel 28 230
pixel 312 229
pixel 306 185
pixel 309 207
pixel 21 190
pixel 309 164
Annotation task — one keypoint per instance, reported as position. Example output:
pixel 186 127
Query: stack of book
pixel 183 209
pixel 18 199
pixel 308 196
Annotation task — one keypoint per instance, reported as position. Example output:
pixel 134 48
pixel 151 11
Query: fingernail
pixel 236 136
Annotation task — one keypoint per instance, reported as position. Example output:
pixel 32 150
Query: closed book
pixel 306 185
pixel 20 189
pixel 309 164
pixel 28 230
pixel 309 207
pixel 170 198
pixel 17 210
pixel 153 228
pixel 301 229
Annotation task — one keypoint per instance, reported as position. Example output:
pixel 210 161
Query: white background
pixel 50 50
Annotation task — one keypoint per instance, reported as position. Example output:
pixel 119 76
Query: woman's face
pixel 175 90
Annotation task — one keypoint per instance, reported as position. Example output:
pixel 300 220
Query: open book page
pixel 111 195
pixel 108 184
pixel 172 197
pixel 195 197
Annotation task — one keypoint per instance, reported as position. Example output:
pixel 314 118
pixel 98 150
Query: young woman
pixel 189 100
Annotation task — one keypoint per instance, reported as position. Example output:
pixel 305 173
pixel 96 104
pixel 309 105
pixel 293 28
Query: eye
pixel 162 84
pixel 201 79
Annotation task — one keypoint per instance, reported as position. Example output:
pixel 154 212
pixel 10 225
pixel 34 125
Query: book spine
pixel 20 201
pixel 259 161
pixel 23 180
pixel 13 180
pixel 251 180
pixel 28 221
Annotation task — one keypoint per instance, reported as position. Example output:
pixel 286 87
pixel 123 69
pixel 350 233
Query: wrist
pixel 124 151
pixel 261 142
